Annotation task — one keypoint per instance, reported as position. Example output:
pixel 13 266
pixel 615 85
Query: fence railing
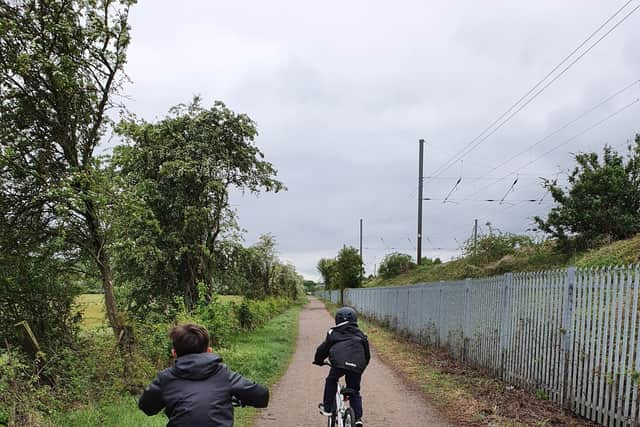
pixel 571 335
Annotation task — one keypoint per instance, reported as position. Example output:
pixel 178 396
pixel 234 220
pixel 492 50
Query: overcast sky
pixel 342 91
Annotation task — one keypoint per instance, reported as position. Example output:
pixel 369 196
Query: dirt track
pixel 387 401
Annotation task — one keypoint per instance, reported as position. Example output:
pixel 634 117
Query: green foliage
pixel 216 317
pixel 183 167
pixel 35 288
pixel 18 385
pixel 254 313
pixel 61 63
pixel 601 202
pixel 342 272
pixel 309 285
pixel 327 269
pixel 261 355
pixel 495 245
pixel 500 253
pixel 86 371
pixel 258 267
pixel 623 252
pixel 348 268
pixel 395 264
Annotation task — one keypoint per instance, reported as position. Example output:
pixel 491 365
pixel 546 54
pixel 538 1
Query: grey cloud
pixel 342 91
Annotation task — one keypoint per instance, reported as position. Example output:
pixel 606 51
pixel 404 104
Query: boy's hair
pixel 189 338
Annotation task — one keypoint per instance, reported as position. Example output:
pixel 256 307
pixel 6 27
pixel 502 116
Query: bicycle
pixel 343 415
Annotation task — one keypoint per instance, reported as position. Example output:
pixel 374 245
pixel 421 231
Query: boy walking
pixel 347 348
pixel 197 390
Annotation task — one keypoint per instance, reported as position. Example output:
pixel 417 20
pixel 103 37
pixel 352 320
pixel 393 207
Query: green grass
pixel 623 252
pixel 92 308
pixel 261 355
pixel 124 413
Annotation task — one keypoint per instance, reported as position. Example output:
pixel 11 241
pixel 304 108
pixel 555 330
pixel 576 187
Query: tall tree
pixel 61 63
pixel 347 268
pixel 601 201
pixel 326 268
pixel 184 167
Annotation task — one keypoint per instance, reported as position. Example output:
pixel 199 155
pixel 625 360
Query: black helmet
pixel 346 314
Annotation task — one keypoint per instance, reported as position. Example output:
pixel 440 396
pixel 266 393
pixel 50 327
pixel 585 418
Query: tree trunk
pixel 122 331
pixel 109 296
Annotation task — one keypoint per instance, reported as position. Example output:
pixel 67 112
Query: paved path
pixel 387 401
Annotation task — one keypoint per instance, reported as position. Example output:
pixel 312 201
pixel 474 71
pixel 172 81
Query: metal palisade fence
pixel 570 335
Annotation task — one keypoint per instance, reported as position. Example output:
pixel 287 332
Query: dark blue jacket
pixel 197 391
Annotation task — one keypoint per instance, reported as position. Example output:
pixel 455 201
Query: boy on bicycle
pixel 347 348
pixel 198 389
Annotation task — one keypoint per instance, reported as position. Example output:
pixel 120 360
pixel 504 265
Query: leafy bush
pixel 395 264
pixel 254 313
pixel 600 203
pixel 494 246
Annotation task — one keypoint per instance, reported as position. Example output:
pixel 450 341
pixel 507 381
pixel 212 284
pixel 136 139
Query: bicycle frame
pixel 342 406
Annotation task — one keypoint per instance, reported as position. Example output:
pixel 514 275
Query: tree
pixel 326 268
pixel 309 285
pixel 347 268
pixel 184 167
pixel 395 264
pixel 260 265
pixel 61 63
pixel 601 202
pixel 286 281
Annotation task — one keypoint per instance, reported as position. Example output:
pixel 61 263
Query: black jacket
pixel 346 346
pixel 197 391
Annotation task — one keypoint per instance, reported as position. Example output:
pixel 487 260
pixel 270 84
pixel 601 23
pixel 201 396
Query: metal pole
pixel 420 182
pixel 361 256
pixel 475 238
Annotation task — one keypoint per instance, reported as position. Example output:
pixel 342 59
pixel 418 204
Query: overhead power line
pixel 520 104
pixel 500 201
pixel 566 125
pixel 556 147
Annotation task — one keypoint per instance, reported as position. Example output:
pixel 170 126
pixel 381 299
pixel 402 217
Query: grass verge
pixel 262 355
pixel 466 396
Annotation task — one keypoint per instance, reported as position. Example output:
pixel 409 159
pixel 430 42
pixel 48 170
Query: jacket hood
pixel 196 366
pixel 346 325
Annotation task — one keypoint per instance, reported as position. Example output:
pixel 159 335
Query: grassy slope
pixel 541 257
pixel 261 355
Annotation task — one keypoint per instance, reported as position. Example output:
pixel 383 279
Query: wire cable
pixel 565 126
pixel 556 147
pixel 510 113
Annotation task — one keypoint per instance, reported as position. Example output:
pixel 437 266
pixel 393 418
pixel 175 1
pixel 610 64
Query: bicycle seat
pixel 348 392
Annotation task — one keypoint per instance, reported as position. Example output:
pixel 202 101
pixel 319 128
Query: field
pixel 261 355
pixel 92 308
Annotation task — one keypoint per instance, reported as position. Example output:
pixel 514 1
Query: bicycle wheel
pixel 349 419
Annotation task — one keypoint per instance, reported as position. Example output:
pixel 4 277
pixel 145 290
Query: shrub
pixel 395 264
pixel 494 246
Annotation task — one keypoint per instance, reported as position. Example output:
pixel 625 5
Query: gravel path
pixel 387 401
